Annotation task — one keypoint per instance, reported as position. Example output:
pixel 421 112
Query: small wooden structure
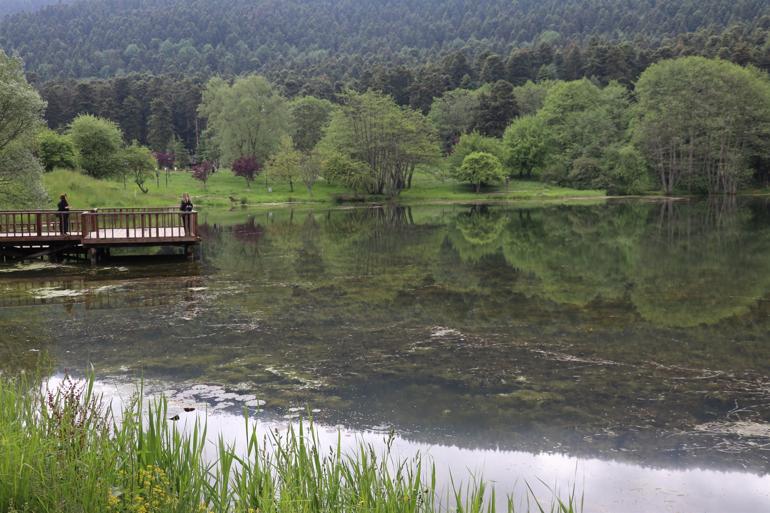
pixel 28 234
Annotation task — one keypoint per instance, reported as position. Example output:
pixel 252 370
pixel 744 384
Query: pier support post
pixel 93 256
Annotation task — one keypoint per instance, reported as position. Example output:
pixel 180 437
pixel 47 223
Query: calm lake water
pixel 622 346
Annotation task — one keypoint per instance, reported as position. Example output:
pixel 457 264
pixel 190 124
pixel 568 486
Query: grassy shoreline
pixel 64 451
pixel 226 190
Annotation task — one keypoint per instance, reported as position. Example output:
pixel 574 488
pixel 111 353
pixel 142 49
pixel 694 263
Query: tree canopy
pixel 100 38
pixel 369 128
pixel 21 110
pixel 703 123
pixel 480 168
pixel 98 142
pixel 245 118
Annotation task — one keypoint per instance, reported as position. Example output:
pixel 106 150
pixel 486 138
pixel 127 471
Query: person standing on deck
pixel 186 206
pixel 64 217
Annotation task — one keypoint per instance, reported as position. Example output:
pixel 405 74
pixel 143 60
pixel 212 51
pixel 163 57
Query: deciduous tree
pixel 453 115
pixel 202 171
pixel 370 128
pixel 701 122
pixel 248 117
pixel 309 117
pixel 470 143
pixel 479 169
pixel 139 162
pixel 55 150
pixel 284 165
pixel 246 167
pixel 21 108
pixel 98 142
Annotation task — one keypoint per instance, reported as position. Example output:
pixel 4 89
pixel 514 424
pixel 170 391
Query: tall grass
pixel 64 451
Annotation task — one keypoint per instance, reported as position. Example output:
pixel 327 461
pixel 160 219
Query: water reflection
pixel 630 331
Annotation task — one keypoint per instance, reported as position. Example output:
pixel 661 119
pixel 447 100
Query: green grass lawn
pixel 225 190
pixel 426 187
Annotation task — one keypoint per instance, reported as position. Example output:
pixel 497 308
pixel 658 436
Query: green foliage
pixel 98 142
pixel 310 169
pixel 701 123
pixel 370 128
pixel 526 146
pixel 247 118
pixel 479 169
pixel 284 165
pixel 582 122
pixel 142 105
pixel 625 171
pixel 55 150
pixel 160 128
pixel 21 108
pixel 470 143
pixel 340 169
pixel 67 452
pixel 309 118
pixel 138 160
pixel 181 155
pixel 531 96
pixel 331 41
pixel 454 114
pixel 497 107
pixel 20 179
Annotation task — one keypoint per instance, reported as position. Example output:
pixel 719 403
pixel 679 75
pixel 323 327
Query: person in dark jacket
pixel 186 206
pixel 64 217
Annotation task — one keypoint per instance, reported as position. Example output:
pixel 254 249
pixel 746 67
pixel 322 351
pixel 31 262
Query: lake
pixel 620 346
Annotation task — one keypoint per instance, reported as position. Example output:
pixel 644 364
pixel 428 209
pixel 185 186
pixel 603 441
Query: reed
pixel 64 451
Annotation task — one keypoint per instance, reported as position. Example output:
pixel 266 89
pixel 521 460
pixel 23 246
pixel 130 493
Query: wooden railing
pixel 139 225
pixel 132 210
pixel 39 223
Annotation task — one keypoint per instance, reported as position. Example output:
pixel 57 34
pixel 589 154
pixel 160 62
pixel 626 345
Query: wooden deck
pixel 40 232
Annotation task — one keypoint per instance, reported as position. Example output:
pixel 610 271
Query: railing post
pixel 39 223
pixel 194 224
pixel 84 224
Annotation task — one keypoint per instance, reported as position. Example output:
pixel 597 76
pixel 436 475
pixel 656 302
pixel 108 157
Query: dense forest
pixel 101 38
pixel 134 61
pixel 13 6
pixel 133 99
pixel 503 84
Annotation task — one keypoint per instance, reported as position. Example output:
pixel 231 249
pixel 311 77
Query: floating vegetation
pixel 54 292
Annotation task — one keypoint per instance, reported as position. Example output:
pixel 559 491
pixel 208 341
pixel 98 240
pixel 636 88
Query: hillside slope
pixel 8 7
pixel 102 38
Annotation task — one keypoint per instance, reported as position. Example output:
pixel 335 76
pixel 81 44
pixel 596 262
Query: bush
pixel 480 168
pixel 470 143
pixel 343 170
pixel 56 150
pixel 98 142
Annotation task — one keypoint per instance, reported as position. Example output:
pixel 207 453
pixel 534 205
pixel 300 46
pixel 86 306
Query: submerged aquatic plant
pixel 65 451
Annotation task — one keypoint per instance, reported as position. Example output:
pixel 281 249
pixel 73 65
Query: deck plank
pixel 159 226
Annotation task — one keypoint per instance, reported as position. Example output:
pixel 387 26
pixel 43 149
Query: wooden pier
pixel 27 234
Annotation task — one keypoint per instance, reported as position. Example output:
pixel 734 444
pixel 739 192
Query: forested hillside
pixel 14 6
pixel 101 38
pixel 496 79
